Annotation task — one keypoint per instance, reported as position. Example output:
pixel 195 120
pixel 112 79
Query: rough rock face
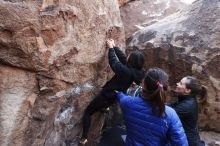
pixel 188 43
pixel 53 60
pixel 124 2
pixel 210 138
pixel 18 93
pixel 140 13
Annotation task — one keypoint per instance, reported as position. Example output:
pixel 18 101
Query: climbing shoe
pixel 83 142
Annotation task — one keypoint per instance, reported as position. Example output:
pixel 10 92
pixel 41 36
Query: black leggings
pixel 97 104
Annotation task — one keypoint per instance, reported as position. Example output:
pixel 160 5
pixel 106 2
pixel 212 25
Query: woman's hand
pixel 110 43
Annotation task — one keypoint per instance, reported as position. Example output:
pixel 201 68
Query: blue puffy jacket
pixel 146 129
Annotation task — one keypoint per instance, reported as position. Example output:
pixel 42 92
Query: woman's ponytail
pixel 157 98
pixel 155 83
pixel 197 89
pixel 203 95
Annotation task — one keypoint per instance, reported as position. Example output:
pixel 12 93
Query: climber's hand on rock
pixel 113 42
pixel 110 43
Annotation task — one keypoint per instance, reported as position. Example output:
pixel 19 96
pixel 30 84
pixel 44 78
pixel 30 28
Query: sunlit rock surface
pixel 138 14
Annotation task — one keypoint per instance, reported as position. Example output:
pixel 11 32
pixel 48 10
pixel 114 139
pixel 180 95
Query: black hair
pixel 136 60
pixel 155 82
pixel 196 88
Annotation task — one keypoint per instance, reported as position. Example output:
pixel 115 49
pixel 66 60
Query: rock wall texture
pixel 141 13
pixel 123 2
pixel 53 59
pixel 188 43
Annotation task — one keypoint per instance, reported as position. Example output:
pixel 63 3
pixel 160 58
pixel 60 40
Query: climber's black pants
pixel 103 100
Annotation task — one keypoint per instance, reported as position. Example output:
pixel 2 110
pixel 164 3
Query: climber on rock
pixel 127 70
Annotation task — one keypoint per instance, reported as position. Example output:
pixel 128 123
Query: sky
pixel 188 1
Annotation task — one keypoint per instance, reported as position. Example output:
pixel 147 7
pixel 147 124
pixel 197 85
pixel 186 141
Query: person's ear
pixel 187 91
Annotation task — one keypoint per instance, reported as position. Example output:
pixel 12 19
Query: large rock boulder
pixel 18 92
pixel 138 14
pixel 188 43
pixel 53 60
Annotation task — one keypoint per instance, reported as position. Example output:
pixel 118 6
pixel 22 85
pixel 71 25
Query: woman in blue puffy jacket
pixel 149 122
